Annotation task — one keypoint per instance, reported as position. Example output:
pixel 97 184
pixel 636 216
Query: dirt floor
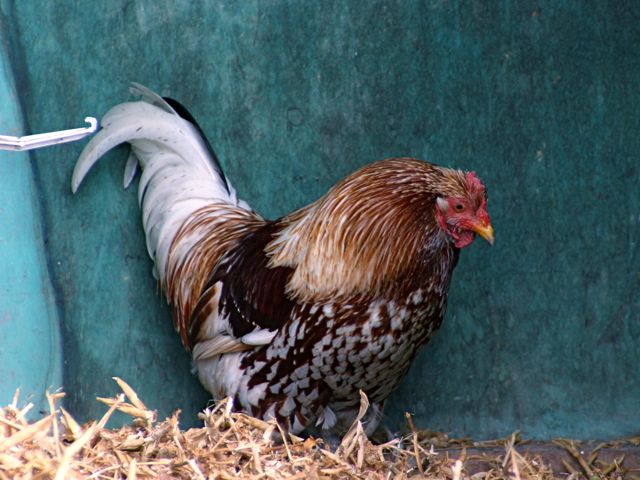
pixel 232 445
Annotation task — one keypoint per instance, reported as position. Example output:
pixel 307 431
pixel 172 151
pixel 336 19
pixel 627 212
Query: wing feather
pixel 218 345
pixel 244 295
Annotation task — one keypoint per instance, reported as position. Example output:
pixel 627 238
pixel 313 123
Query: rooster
pixel 292 317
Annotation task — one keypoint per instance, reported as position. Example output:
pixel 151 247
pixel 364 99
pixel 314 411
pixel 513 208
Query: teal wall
pixel 30 357
pixel 542 99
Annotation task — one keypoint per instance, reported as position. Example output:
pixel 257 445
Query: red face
pixel 463 218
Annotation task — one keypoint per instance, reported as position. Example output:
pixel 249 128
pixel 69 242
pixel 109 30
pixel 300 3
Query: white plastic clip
pixel 40 140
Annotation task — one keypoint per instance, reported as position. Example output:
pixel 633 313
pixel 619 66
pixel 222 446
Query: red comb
pixel 474 183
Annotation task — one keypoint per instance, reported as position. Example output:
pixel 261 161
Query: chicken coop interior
pixel 540 99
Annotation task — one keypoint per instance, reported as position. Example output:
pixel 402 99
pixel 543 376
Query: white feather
pixel 216 346
pixel 326 418
pixel 179 176
pixel 442 204
pixel 259 337
pixel 130 170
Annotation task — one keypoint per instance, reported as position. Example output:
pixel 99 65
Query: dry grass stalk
pixel 593 468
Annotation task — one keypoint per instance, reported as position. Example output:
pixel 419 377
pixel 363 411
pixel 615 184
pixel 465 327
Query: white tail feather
pixel 179 175
pixel 130 170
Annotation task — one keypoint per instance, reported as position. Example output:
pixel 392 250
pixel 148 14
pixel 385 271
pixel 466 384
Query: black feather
pixel 184 113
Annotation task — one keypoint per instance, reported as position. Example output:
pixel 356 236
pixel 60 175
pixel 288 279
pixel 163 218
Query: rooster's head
pixel 462 212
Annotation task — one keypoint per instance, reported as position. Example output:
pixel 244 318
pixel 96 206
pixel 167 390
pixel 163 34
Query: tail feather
pixel 149 96
pixel 184 113
pixel 173 106
pixel 130 170
pixel 153 132
pixel 180 171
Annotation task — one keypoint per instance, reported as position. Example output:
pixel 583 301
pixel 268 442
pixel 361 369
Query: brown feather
pixel 364 235
pixel 214 234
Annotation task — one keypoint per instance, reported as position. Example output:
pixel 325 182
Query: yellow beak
pixel 485 231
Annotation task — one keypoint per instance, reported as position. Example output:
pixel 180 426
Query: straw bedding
pixel 233 445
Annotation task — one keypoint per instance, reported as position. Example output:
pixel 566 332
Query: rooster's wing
pixel 245 299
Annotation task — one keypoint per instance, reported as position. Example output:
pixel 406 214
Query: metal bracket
pixel 40 140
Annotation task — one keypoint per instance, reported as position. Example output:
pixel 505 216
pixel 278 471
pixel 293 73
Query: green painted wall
pixel 542 99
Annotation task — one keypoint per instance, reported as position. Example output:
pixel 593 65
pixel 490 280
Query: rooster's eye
pixel 459 207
